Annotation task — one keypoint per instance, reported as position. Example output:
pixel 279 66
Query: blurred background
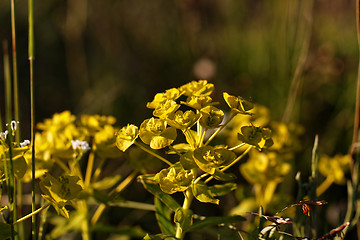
pixel 297 57
pixel 113 56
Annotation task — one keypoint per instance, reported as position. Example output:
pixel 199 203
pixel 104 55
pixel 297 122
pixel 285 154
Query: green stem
pixel 189 196
pixel 238 158
pixel 31 54
pixel 118 189
pixel 9 172
pixel 61 164
pixel 237 146
pixel 220 128
pixel 98 169
pixel 324 185
pixel 152 153
pixel 15 70
pixel 32 213
pixel 89 168
pixel 85 226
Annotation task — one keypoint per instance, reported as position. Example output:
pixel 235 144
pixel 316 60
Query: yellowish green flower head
pixel 60 191
pixel 197 88
pixel 260 116
pixel 183 120
pixel 263 167
pixel 165 109
pixel 256 136
pixel 174 179
pixel 126 136
pixel 199 102
pixel 104 143
pixel 154 132
pixel 335 167
pixel 238 104
pixel 96 122
pixel 210 159
pixel 161 98
pixel 286 137
pixel 58 122
pixel 211 117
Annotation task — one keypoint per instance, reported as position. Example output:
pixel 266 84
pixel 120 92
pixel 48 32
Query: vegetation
pixel 205 163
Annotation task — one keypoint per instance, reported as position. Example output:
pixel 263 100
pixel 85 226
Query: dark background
pixel 112 56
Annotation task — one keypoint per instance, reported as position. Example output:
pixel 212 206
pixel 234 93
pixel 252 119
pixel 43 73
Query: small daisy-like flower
pixel 3 135
pixel 25 143
pixel 13 125
pixel 83 146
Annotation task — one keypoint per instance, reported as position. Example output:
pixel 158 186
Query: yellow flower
pixel 335 167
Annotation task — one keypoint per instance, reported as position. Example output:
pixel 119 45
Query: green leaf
pixel 5 231
pixel 158 237
pixel 63 226
pixel 191 137
pixel 226 177
pixel 202 193
pixel 184 217
pixel 187 160
pixel 20 166
pixel 156 191
pixel 220 190
pixel 100 196
pixel 134 232
pixel 163 216
pixel 211 221
pixel 106 182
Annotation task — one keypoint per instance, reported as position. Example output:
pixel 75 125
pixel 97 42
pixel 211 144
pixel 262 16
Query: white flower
pixel 25 143
pixel 80 145
pixel 13 125
pixel 3 135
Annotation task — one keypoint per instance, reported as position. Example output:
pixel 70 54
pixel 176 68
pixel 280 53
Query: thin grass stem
pixel 9 170
pixel 118 189
pixel 220 128
pixel 296 80
pixel 32 213
pixel 142 147
pixel 89 168
pixel 31 54
pixel 20 227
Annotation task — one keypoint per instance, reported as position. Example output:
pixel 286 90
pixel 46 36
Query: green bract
pixel 238 103
pixel 210 159
pixel 154 132
pixel 174 179
pixel 256 136
pixel 197 88
pixel 126 136
pixel 60 191
pixel 183 120
pixel 211 117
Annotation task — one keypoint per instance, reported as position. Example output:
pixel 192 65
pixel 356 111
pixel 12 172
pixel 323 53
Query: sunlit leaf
pixel 163 216
pixel 201 192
